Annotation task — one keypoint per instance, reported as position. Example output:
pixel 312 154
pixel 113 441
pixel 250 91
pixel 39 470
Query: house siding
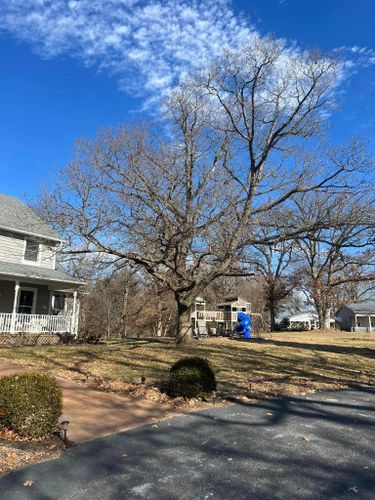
pixel 347 318
pixel 42 301
pixel 12 249
pixel 47 258
pixel 6 296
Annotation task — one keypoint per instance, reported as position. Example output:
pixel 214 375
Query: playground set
pixel 232 316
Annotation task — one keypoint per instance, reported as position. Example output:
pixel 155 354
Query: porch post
pixel 74 322
pixel 355 324
pixel 369 323
pixel 50 299
pixel 15 302
pixel 77 318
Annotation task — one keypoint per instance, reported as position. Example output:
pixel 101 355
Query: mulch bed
pixel 16 452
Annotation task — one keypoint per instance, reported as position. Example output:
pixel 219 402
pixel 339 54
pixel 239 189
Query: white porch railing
pixel 34 323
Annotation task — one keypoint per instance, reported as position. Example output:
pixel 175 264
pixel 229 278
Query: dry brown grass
pixel 281 364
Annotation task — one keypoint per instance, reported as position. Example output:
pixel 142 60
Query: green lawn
pixel 286 363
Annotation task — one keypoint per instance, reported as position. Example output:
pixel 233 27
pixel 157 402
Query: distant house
pixel 303 321
pixel 358 317
pixel 36 293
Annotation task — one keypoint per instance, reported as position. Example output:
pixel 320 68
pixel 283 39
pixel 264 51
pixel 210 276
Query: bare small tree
pixel 275 264
pixel 184 202
pixel 338 256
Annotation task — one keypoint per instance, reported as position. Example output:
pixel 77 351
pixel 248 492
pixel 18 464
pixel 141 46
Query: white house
pixel 359 317
pixel 36 293
pixel 302 321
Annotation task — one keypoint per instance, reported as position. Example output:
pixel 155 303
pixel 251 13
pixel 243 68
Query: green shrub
pixel 30 404
pixel 192 378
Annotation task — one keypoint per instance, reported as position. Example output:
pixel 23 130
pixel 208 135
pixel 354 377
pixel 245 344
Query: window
pixel 31 251
pixel 26 301
pixel 58 302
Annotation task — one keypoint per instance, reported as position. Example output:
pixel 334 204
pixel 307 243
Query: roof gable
pixel 18 217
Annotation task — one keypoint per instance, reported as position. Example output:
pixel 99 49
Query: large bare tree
pixel 184 199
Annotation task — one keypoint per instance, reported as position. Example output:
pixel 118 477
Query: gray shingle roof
pixel 362 307
pixel 25 272
pixel 17 216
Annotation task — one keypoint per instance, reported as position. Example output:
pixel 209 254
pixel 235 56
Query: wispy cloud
pixel 363 55
pixel 147 45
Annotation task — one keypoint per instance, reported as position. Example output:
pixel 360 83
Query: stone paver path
pixel 94 414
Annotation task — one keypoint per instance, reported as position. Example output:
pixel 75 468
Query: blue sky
pixel 70 68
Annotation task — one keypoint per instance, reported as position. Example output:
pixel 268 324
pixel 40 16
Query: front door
pixel 26 301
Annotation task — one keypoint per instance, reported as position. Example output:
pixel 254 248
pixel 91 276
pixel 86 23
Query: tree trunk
pixel 184 325
pixel 321 316
pixel 109 330
pixel 272 312
pixel 159 319
pixel 326 319
pixel 125 313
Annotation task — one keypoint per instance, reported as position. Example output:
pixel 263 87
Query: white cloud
pixel 147 45
pixel 356 56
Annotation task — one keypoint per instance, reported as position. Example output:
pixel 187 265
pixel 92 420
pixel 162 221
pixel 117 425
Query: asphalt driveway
pixel 316 446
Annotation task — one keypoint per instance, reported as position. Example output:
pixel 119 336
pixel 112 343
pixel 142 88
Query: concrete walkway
pixel 94 414
pixel 312 447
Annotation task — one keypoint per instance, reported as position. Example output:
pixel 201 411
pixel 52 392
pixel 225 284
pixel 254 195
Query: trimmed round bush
pixel 192 377
pixel 30 404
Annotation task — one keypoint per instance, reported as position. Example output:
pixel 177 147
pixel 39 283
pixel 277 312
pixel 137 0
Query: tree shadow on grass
pixel 359 351
pixel 236 368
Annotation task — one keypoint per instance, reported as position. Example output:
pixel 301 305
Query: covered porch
pixel 38 306
pixel 364 323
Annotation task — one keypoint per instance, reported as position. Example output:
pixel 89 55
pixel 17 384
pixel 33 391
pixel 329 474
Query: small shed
pixel 357 317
